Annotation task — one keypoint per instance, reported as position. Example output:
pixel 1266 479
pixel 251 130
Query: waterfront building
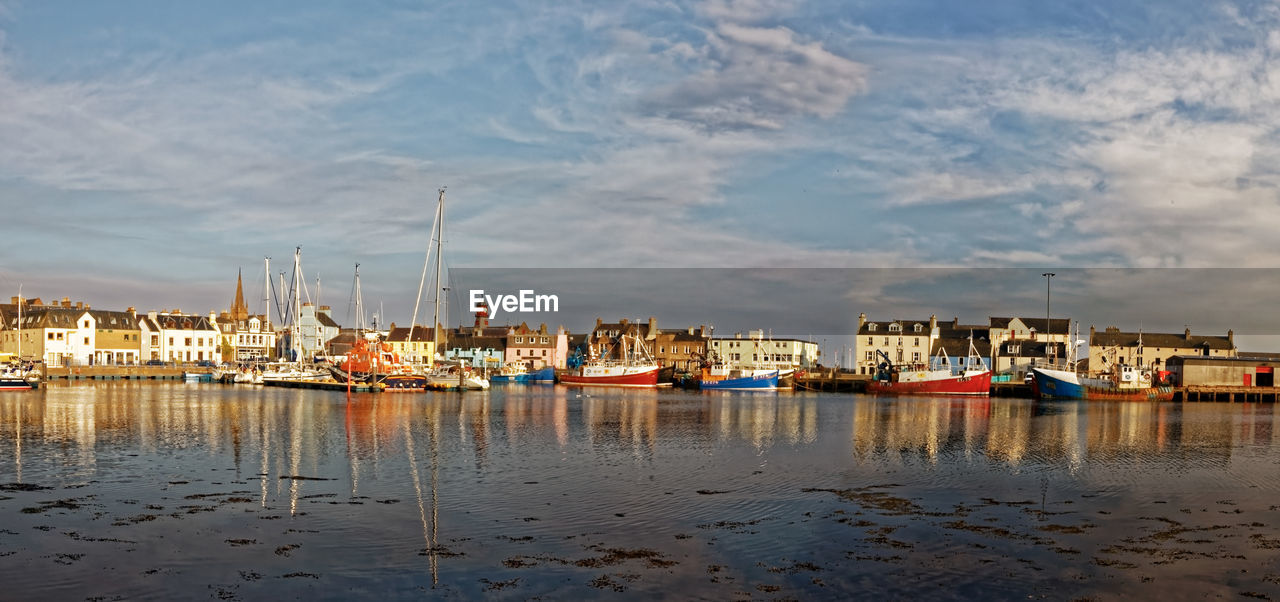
pixel 66 335
pixel 244 336
pixel 1019 342
pixel 173 336
pixel 1152 349
pixel 904 341
pixel 479 344
pixel 536 348
pixel 604 340
pixel 683 348
pixel 415 345
pixel 1222 370
pixel 756 351
pixel 956 350
pixel 316 327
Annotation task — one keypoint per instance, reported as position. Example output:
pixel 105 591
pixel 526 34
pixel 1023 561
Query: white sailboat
pixel 454 375
pixel 18 377
pixel 294 370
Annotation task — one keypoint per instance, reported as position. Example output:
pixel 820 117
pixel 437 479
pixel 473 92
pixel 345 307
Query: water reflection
pixel 1018 431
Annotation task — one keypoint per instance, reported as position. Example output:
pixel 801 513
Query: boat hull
pixel 628 378
pixel 979 384
pixel 509 378
pixel 757 382
pixel 543 375
pixel 15 384
pixel 1052 386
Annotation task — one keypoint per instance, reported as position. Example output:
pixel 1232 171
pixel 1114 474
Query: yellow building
pixel 1152 349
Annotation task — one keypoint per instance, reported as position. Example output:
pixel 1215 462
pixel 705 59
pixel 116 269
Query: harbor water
pixel 139 490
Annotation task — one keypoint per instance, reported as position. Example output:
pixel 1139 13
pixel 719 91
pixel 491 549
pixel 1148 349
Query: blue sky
pixel 153 149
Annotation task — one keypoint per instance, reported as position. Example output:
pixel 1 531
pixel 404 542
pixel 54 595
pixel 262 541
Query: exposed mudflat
pixel 178 491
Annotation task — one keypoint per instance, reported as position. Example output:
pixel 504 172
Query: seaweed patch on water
pixel 133 520
pixel 615 556
pixel 439 550
pixel 711 492
pixel 796 567
pixel 869 498
pixel 499 585
pixel 23 487
pixel 734 526
pixel 287 549
pixel 242 542
pixel 299 574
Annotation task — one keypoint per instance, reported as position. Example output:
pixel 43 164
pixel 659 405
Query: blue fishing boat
pixel 511 373
pixel 1128 383
pixel 736 379
pixel 543 375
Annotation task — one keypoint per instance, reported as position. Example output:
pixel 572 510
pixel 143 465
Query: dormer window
pixel 895 327
pixel 919 328
pixel 871 327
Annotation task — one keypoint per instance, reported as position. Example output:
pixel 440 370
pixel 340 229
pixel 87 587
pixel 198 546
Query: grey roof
pixel 1056 325
pixel 1112 338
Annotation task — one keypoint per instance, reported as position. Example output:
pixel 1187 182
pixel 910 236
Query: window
pixel 519 339
pixel 886 341
pixel 155 340
pixel 919 328
pixel 871 356
pixel 871 340
pixel 50 335
pixel 86 340
pixel 915 341
pixel 895 327
pixel 915 356
pixel 662 349
pixel 871 327
pixel 899 341
pixel 544 340
pixel 188 343
pixel 171 341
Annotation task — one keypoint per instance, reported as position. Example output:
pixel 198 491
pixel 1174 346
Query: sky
pixel 151 151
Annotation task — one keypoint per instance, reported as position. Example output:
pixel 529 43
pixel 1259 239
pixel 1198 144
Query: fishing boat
pixel 937 378
pixel 636 368
pixel 720 377
pixel 546 374
pixel 1125 383
pixel 456 375
pixel 512 373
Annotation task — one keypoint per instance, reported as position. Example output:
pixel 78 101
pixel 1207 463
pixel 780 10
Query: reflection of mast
pixel 429 533
pixel 266 445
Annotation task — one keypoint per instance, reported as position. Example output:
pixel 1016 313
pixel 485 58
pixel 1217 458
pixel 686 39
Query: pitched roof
pixel 325 320
pixel 1115 338
pixel 497 343
pixel 908 326
pixel 960 347
pixel 421 334
pixel 1056 325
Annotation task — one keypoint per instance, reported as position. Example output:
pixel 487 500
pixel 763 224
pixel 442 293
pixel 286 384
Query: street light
pixel 1048 276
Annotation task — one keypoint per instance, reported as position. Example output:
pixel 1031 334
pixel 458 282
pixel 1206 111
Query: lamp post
pixel 1048 277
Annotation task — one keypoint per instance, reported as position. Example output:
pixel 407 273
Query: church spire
pixel 239 311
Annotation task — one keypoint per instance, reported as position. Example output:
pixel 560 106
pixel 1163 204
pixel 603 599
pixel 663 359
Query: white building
pixel 756 351
pixel 176 337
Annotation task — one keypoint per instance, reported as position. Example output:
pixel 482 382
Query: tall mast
pixel 297 304
pixel 20 300
pixel 435 319
pixel 360 325
pixel 266 289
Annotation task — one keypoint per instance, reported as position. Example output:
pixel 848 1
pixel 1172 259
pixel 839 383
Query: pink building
pixel 536 348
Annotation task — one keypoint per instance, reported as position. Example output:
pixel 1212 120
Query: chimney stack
pixel 1187 334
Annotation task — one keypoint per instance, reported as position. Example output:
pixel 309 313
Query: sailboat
pixel 16 377
pixel 294 371
pixel 445 375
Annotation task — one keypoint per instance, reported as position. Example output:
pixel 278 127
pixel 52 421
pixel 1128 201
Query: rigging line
pixel 423 282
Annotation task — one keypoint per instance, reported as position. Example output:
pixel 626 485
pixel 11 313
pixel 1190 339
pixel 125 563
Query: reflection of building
pixel 1111 347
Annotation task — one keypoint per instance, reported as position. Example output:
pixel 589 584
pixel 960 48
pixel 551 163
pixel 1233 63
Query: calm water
pixel 163 491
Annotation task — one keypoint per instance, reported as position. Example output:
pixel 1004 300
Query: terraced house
pixel 63 334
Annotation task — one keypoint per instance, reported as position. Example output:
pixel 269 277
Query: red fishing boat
pixel 972 378
pixel 635 369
